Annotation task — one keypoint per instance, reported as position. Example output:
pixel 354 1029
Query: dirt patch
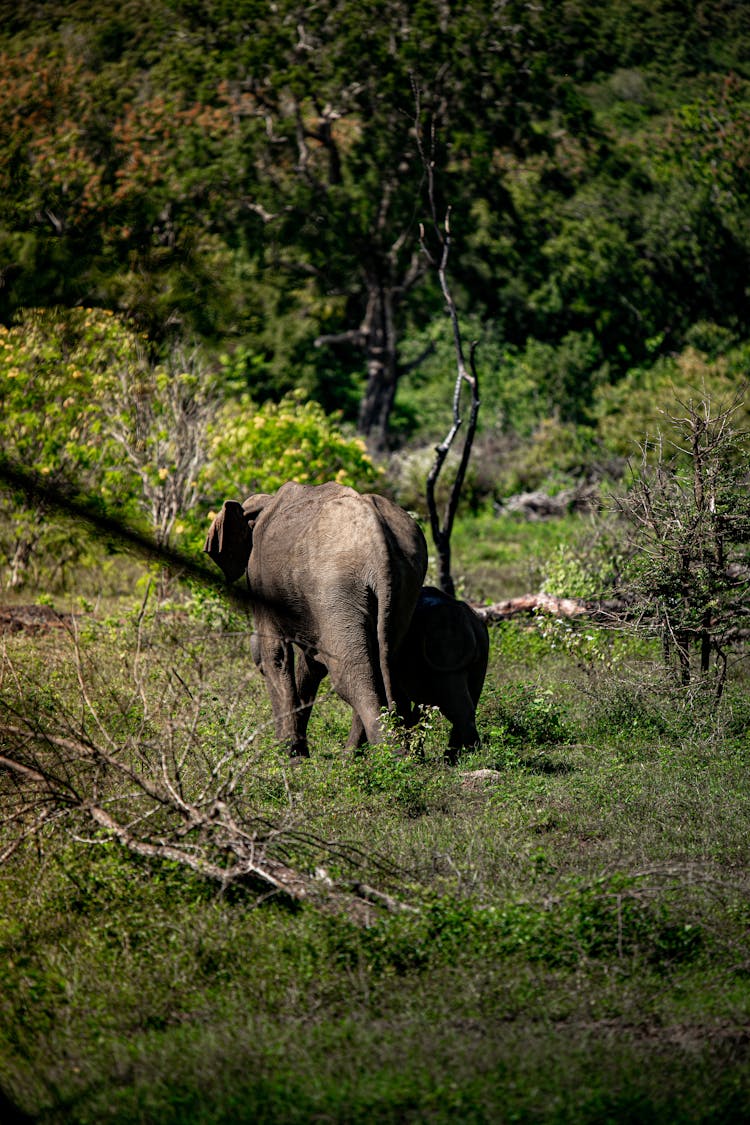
pixel 32 618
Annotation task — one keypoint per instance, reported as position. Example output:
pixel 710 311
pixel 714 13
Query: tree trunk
pixel 381 348
pixel 27 538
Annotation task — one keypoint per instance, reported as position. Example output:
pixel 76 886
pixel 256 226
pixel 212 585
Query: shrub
pixel 690 522
pixel 617 918
pixel 54 374
pixel 638 407
pixel 524 716
pixel 258 448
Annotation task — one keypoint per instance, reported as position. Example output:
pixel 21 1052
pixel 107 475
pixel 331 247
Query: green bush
pixel 637 408
pixel 55 368
pixel 258 448
pixel 384 770
pixel 524 716
pixel 616 919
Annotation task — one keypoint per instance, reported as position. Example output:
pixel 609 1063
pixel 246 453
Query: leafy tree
pixel 112 191
pixel 282 163
pixel 343 204
pixel 249 174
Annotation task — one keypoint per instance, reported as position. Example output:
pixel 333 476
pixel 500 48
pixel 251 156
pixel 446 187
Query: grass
pixel 578 951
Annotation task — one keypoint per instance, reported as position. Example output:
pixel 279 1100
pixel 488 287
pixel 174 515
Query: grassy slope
pixel 579 955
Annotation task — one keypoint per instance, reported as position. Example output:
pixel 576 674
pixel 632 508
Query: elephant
pixel 333 576
pixel 442 661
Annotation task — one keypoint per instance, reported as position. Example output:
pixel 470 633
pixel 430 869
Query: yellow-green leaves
pixel 258 448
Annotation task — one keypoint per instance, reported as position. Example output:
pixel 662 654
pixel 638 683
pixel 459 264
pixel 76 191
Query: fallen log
pixel 533 603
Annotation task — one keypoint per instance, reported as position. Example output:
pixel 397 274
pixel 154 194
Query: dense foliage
pixel 84 405
pixel 251 176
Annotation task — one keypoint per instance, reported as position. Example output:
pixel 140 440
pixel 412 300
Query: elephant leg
pixel 275 659
pixel 366 705
pixel 357 736
pixel 255 651
pixel 355 679
pixel 309 675
pixel 475 676
pixel 458 707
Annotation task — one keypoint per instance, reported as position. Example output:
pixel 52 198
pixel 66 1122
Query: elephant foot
pixel 462 739
pixel 298 750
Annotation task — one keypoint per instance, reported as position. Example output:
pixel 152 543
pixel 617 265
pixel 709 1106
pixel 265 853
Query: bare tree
pixel 690 570
pixel 466 379
pixel 159 417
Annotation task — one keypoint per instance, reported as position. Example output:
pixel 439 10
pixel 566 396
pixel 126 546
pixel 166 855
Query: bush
pixel 638 407
pixel 690 523
pixel 617 918
pixel 258 448
pixel 523 716
pixel 55 369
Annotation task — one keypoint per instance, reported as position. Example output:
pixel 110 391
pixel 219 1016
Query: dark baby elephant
pixel 333 578
pixel 442 662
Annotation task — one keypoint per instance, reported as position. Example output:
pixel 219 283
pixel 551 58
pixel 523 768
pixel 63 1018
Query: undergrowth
pixel 568 925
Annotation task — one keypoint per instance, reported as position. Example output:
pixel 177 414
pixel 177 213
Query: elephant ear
pixel 448 642
pixel 229 540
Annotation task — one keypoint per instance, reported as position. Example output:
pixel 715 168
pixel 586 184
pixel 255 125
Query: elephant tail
pixel 383 615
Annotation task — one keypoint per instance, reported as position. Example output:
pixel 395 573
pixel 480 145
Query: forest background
pixel 238 188
pixel 212 280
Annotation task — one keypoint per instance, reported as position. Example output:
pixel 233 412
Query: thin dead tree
pixel 466 379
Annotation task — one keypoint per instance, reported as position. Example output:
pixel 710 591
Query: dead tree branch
pixel 466 378
pixel 129 764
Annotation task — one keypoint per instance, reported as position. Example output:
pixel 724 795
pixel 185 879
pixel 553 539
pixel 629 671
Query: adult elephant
pixel 442 662
pixel 334 574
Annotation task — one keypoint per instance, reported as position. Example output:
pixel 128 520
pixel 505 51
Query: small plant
pixel 593 648
pixel 390 770
pixel 213 609
pixel 525 716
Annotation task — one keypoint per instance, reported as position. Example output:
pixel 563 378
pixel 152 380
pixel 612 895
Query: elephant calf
pixel 441 662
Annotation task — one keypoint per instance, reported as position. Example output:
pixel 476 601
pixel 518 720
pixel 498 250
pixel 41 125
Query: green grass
pixel 497 558
pixel 577 947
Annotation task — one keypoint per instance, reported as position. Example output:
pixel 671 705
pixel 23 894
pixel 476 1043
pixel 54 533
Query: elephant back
pixel 442 627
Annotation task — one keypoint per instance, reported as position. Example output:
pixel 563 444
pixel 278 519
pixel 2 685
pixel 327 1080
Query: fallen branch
pixel 51 779
pixel 533 603
pixel 32 618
